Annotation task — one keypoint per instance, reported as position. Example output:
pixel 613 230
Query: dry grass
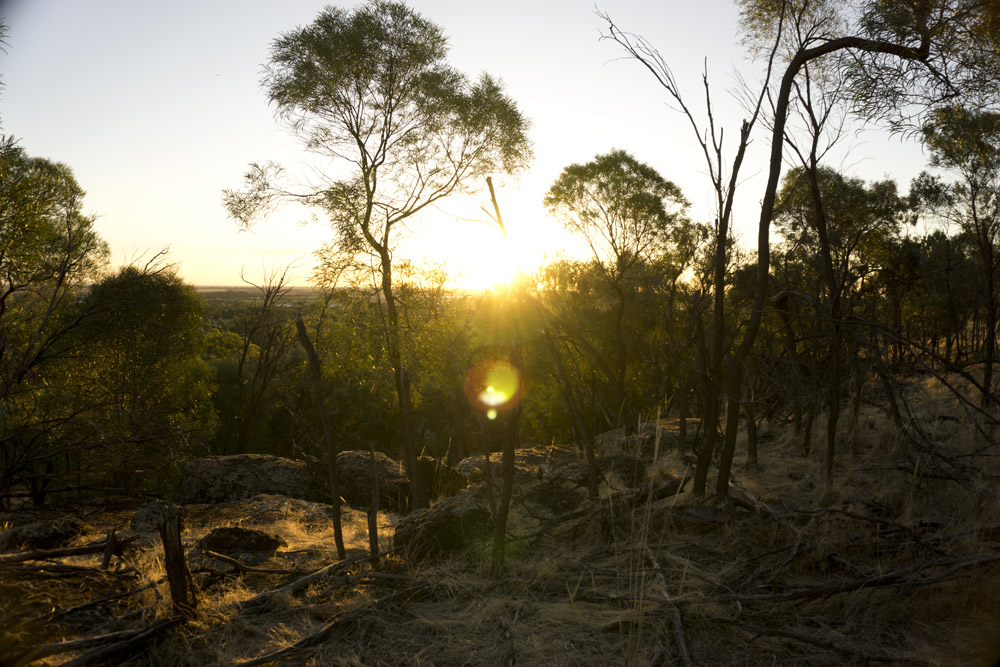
pixel 591 592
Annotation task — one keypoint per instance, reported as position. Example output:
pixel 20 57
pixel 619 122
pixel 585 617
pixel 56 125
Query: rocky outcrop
pixel 643 442
pixel 354 477
pixel 559 463
pixel 146 518
pixel 41 535
pixel 530 463
pixel 217 479
pixel 446 527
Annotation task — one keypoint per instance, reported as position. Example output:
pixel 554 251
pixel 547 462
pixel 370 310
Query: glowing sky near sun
pixel 157 108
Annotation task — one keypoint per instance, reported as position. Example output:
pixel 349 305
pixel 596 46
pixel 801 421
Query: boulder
pixel 217 479
pixel 354 477
pixel 251 546
pixel 146 518
pixel 41 535
pixel 643 442
pixel 530 463
pixel 446 527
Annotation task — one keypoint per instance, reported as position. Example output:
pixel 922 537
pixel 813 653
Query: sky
pixel 157 108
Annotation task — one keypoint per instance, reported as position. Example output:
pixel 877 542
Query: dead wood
pixel 182 588
pixel 647 493
pixel 100 655
pixel 679 638
pixel 116 641
pixel 49 554
pixel 93 603
pixel 820 643
pixel 320 634
pixel 894 578
pixel 248 569
pixel 300 583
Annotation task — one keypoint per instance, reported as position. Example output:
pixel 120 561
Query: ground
pixel 898 562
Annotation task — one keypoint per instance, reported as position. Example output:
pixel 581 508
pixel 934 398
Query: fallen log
pixel 49 554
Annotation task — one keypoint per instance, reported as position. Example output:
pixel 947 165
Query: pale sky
pixel 157 108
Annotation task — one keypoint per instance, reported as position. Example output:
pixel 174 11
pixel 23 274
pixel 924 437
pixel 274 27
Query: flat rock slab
pixel 217 479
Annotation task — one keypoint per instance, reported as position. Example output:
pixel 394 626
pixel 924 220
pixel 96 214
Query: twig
pixel 679 638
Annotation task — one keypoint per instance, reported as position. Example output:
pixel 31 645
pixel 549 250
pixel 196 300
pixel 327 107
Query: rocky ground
pixel 897 563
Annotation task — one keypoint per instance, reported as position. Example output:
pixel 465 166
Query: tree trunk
pixel 328 443
pixel 182 590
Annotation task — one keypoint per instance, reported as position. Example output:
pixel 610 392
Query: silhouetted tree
pixel 371 89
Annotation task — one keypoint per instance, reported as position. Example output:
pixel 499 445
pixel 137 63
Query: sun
pixel 484 259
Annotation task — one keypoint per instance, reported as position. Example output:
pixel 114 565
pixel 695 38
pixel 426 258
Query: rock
pixel 354 476
pixel 251 546
pixel 41 535
pixel 446 527
pixel 146 518
pixel 643 442
pixel 440 479
pixel 217 479
pixel 544 500
pixel 530 463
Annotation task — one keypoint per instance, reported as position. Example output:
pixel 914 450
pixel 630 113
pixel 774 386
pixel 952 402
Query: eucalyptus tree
pixel 624 210
pixel 967 143
pixel 899 60
pixel 49 250
pixel 833 224
pixel 371 91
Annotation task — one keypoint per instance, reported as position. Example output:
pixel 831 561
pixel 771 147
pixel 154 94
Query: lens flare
pixel 493 387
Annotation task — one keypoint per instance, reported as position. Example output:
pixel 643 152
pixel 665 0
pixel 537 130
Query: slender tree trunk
pixel 328 442
pixel 418 497
pixel 585 435
pixel 373 507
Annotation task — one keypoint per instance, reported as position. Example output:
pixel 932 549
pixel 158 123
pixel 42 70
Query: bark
pixel 182 589
pixel 329 445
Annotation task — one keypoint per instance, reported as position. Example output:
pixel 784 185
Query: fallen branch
pixel 100 655
pixel 49 554
pixel 321 633
pixel 300 583
pixel 829 646
pixel 93 603
pixel 249 569
pixel 114 639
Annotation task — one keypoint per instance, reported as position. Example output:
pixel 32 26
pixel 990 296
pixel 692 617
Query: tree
pixel 371 90
pixel 624 210
pixel 967 143
pixel 148 388
pixel 48 251
pixel 834 223
pixel 899 60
